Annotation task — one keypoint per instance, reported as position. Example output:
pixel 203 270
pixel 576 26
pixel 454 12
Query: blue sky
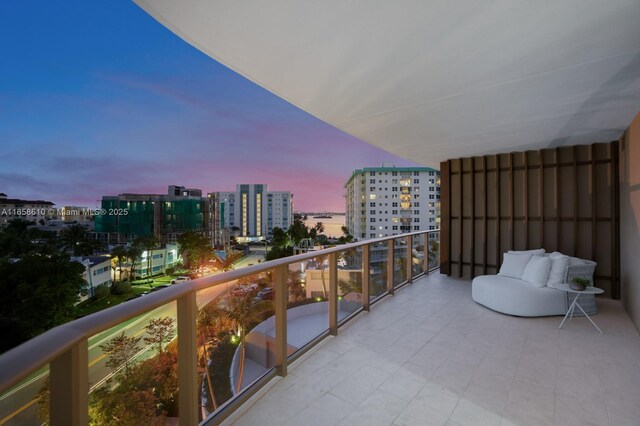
pixel 97 98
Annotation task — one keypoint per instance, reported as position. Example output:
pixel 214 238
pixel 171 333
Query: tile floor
pixel 430 356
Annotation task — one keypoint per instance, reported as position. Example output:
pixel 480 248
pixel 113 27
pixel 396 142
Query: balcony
pixel 429 355
pixel 369 339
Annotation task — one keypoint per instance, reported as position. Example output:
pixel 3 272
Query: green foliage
pixel 195 249
pixel 100 291
pixel 279 252
pixel 170 271
pixel 584 281
pixel 133 254
pixel 118 259
pixel 39 292
pixel 120 351
pixel 226 263
pixel 74 239
pixel 160 331
pixel 147 243
pixel 17 240
pixel 121 287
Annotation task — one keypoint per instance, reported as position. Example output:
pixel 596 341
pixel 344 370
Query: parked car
pixel 160 287
pixel 180 279
pixel 239 290
pixel 266 293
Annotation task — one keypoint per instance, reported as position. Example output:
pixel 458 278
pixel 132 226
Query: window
pixel 431 188
pixel 363 235
pixel 416 196
pixel 430 173
pixel 394 204
pixel 416 189
pixel 416 204
pixel 416 219
pixel 372 204
pixel 394 173
pixel 372 235
pixel 373 219
pixel 394 211
pixel 372 189
pixel 416 181
pixel 431 219
pixel 372 196
pixel 416 212
pixel 394 188
pixel 372 173
pixel 432 227
pixel 372 228
pixel 372 181
pixel 431 197
pixel 416 227
pixel 416 173
pixel 394 228
pixel 372 212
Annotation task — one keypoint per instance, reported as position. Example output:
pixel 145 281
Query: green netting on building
pixel 182 215
pixel 137 221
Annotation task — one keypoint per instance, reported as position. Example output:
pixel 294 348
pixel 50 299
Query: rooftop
pixel 430 355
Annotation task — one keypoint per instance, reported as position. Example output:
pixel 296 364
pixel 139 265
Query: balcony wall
pixel 630 220
pixel 563 199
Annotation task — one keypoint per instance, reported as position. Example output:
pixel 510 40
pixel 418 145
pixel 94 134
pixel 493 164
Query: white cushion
pixel 559 264
pixel 513 264
pixel 537 271
pixel 535 251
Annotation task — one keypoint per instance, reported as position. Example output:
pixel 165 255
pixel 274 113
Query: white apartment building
pixel 97 271
pixel 251 213
pixel 389 200
pixel 29 210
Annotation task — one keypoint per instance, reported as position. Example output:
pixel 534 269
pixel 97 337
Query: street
pixel 18 406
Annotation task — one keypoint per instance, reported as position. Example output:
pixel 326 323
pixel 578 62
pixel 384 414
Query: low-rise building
pixel 97 272
pixel 29 210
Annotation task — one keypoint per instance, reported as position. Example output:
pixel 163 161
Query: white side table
pixel 588 290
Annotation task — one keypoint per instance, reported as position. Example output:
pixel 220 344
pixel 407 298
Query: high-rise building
pixel 127 216
pixel 250 213
pixel 389 200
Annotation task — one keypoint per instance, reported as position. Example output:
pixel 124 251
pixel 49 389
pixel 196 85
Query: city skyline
pixel 100 99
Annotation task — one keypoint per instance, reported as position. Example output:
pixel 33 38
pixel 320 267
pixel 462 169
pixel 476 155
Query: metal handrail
pixel 23 360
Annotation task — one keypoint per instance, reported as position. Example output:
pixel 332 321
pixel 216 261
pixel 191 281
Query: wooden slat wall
pixel 562 199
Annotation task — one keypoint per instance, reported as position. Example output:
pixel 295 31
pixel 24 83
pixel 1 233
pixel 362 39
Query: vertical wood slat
pixel 511 203
pixel 366 277
pixel 187 311
pixel 69 387
pixel 557 186
pixel 460 216
pixel 484 215
pixel 445 219
pixel 281 296
pixel 498 215
pixel 575 201
pixel 541 195
pixel 594 198
pixel 526 200
pixel 615 224
pixel 472 254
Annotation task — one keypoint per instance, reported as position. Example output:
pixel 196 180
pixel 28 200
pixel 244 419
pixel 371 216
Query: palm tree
pixel 226 263
pixel 119 256
pixel 211 320
pixel 319 227
pixel 242 311
pixel 133 254
pixel 147 243
pixel 72 236
pixel 320 260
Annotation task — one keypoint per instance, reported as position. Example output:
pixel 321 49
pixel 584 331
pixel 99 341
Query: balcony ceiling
pixel 431 80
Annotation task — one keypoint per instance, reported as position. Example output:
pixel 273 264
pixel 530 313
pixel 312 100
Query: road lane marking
pixel 19 410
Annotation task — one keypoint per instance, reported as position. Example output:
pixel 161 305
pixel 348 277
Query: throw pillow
pixel 535 251
pixel 537 271
pixel 513 265
pixel 559 264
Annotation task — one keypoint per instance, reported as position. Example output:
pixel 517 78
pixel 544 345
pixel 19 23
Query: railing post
pixel 69 387
pixel 281 297
pixel 187 360
pixel 333 294
pixel 366 276
pixel 409 258
pixel 426 249
pixel 390 265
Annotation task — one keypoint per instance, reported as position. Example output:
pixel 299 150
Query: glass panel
pixel 236 338
pixel 307 306
pixel 418 252
pixel 27 403
pixel 133 370
pixel 378 269
pixel 434 249
pixel 349 282
pixel 399 261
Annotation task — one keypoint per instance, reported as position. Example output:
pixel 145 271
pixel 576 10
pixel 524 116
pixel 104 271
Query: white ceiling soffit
pixel 432 80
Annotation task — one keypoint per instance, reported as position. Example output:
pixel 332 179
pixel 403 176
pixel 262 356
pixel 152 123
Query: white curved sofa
pixel 517 297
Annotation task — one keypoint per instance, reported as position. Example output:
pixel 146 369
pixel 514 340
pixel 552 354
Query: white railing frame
pixel 65 347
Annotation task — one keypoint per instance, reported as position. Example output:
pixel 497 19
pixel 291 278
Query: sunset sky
pixel 97 98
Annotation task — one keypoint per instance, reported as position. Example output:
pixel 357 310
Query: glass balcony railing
pixel 196 351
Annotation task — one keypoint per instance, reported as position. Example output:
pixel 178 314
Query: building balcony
pixel 384 344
